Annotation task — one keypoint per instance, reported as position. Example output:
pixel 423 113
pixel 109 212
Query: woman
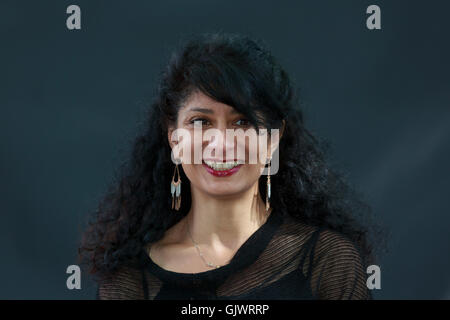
pixel 178 229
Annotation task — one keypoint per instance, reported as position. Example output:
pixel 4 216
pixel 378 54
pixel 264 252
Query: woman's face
pixel 223 167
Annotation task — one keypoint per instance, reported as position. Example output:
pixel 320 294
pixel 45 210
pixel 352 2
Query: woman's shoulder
pixel 324 243
pixel 338 267
pixel 324 238
pixel 332 244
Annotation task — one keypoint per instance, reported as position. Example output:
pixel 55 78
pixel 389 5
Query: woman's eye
pixel 204 122
pixel 242 122
pixel 201 120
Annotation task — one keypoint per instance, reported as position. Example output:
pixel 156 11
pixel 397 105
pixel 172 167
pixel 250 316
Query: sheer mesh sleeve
pixel 289 261
pixel 125 284
pixel 337 270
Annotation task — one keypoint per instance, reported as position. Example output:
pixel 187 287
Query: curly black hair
pixel 241 72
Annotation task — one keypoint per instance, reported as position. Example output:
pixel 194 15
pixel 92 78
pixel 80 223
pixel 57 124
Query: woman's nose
pixel 219 140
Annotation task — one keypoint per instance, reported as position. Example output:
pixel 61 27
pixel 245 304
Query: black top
pixel 284 259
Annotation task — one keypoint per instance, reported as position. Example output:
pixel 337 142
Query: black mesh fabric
pixel 284 259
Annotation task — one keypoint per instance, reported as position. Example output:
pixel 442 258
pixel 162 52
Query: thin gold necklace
pixel 209 264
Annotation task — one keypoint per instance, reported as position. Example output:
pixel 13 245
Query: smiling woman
pixel 234 232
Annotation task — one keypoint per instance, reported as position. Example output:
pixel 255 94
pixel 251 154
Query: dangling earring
pixel 175 189
pixel 255 198
pixel 268 187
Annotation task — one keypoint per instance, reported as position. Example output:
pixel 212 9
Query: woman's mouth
pixel 222 169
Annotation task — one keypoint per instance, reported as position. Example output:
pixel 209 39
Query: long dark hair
pixel 241 72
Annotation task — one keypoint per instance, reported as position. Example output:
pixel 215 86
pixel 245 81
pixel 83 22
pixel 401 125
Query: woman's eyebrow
pixel 203 110
pixel 209 111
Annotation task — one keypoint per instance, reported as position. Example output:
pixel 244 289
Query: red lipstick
pixel 222 173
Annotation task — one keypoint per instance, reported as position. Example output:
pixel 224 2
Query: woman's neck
pixel 219 222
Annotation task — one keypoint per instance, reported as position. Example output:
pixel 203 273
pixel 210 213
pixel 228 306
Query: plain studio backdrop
pixel 71 100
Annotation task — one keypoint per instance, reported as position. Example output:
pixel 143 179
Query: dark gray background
pixel 71 100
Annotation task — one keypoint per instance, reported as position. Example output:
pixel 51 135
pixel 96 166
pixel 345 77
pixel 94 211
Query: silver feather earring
pixel 175 189
pixel 268 187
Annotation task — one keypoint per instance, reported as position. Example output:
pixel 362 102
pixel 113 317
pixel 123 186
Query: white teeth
pixel 221 166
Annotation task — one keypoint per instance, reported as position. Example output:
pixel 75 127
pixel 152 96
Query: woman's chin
pixel 221 188
pixel 223 192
